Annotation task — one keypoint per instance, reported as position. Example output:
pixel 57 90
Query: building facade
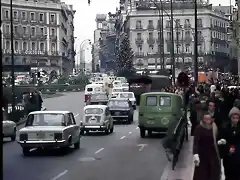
pixel 145 37
pixel 43 35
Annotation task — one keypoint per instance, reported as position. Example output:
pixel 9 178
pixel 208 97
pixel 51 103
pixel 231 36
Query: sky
pixel 85 17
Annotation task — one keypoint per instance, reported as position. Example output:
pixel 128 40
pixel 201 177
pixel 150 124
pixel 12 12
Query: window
pixel 6 14
pixel 52 119
pixel 32 16
pixel 139 36
pixel 150 22
pixel 151 47
pixel 41 17
pixel 24 30
pixel 150 35
pixel 138 24
pixel 33 31
pixel 53 32
pixel 41 46
pixel 16 45
pixel 187 21
pixel 178 35
pixel 24 46
pixel 42 31
pixel 23 15
pixel 178 48
pixel 53 47
pixel 151 101
pixel 139 48
pixel 15 29
pixel 7 28
pixel 7 60
pixel 7 45
pixel 169 46
pixel 165 101
pixel 187 48
pixel 33 46
pixel 169 35
pixel 15 15
pixel 24 61
pixel 52 18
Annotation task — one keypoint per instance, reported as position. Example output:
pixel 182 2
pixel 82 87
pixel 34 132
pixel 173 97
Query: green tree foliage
pixel 124 60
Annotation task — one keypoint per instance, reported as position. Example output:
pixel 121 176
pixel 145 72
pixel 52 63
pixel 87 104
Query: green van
pixel 158 111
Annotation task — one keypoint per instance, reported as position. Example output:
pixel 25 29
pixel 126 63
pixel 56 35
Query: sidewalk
pixel 185 166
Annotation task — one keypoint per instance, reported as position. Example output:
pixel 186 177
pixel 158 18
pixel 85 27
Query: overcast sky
pixel 85 15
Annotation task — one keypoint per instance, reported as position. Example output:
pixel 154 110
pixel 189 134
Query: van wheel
pixel 142 132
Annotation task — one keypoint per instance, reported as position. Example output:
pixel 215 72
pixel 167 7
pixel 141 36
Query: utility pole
pixel 182 50
pixel 12 56
pixel 162 37
pixel 172 42
pixel 195 69
pixel 177 39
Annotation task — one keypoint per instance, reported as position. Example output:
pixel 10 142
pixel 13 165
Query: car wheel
pixel 107 131
pixel 111 130
pixel 129 121
pixel 82 132
pixel 77 144
pixel 26 151
pixel 149 133
pixel 142 132
pixel 13 137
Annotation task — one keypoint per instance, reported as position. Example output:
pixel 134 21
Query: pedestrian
pixel 206 155
pixel 230 146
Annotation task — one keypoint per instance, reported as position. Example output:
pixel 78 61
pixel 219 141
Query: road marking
pixel 123 137
pixel 137 127
pixel 76 115
pixel 166 171
pixel 60 175
pixel 98 151
pixel 130 133
pixel 141 146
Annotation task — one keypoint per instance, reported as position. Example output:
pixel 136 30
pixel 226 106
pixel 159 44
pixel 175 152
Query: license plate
pixel 117 113
pixel 41 135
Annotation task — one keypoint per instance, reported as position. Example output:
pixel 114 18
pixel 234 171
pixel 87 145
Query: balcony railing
pixel 139 54
pixel 151 41
pixel 139 27
pixel 150 27
pixel 186 26
pixel 139 41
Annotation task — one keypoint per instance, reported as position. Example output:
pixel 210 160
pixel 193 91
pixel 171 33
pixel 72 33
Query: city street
pixel 122 155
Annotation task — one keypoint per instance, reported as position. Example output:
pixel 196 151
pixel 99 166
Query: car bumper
pixel 120 118
pixel 43 144
pixel 93 128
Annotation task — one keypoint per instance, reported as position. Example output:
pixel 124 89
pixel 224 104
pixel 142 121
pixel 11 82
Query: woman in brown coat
pixel 205 150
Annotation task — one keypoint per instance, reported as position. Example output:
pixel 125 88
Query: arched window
pixel 7 45
pixel 53 47
pixel 33 46
pixel 16 45
pixel 42 47
pixel 24 46
pixel 24 61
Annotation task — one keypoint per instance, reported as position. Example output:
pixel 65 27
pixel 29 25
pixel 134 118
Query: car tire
pixel 107 131
pixel 142 132
pixel 13 137
pixel 26 151
pixel 111 130
pixel 149 133
pixel 82 132
pixel 77 144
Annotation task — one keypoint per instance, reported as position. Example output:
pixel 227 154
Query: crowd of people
pixel 215 119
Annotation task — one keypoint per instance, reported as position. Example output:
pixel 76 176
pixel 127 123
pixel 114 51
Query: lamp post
pixel 12 57
pixel 195 64
pixel 172 42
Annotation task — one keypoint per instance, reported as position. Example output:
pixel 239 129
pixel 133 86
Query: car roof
pixel 120 99
pixel 95 106
pixel 124 92
pixel 162 93
pixel 50 112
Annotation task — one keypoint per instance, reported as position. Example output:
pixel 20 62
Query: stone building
pixel 43 35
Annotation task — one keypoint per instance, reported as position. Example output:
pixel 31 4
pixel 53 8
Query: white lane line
pixel 98 151
pixel 141 146
pixel 137 127
pixel 166 171
pixel 76 115
pixel 123 137
pixel 130 133
pixel 60 175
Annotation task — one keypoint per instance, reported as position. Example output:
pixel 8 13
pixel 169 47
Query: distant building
pixel 145 37
pixel 43 35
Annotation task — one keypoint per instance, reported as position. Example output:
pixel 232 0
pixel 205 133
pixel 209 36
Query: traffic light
pixel 38 74
pixel 89 2
pixel 183 79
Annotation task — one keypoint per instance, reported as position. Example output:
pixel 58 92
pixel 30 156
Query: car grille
pixel 88 118
pixel 119 113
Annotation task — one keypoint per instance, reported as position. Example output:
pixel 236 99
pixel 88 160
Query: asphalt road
pixel 122 155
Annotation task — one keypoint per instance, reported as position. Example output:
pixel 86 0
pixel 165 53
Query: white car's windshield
pixel 93 111
pixel 118 104
pixel 117 90
pixel 126 95
pixel 45 120
pixel 124 85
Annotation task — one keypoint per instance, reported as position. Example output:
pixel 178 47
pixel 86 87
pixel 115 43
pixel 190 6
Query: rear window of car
pixel 94 111
pixel 151 101
pixel 165 101
pixel 89 89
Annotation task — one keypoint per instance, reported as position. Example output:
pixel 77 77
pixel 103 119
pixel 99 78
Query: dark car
pixel 100 98
pixel 121 110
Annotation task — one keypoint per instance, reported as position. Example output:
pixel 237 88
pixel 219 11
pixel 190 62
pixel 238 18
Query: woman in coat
pixel 205 150
pixel 229 144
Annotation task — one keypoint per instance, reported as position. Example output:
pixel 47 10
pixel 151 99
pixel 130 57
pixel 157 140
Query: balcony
pixel 151 41
pixel 159 40
pixel 188 39
pixel 42 37
pixel 55 53
pixel 200 39
pixel 53 37
pixel 168 25
pixel 187 26
pixel 199 25
pixel 168 39
pixel 7 35
pixel 139 27
pixel 139 54
pixel 139 41
pixel 150 27
pixel 25 36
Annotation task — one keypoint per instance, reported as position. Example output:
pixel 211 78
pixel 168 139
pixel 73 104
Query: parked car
pixel 121 109
pixel 97 118
pixel 49 129
pixel 9 127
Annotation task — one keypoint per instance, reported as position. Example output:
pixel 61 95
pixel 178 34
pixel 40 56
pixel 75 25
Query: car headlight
pixel 165 121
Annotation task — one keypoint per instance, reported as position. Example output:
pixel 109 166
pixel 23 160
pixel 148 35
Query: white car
pixel 125 87
pixel 128 95
pixel 9 129
pixel 49 129
pixel 117 89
